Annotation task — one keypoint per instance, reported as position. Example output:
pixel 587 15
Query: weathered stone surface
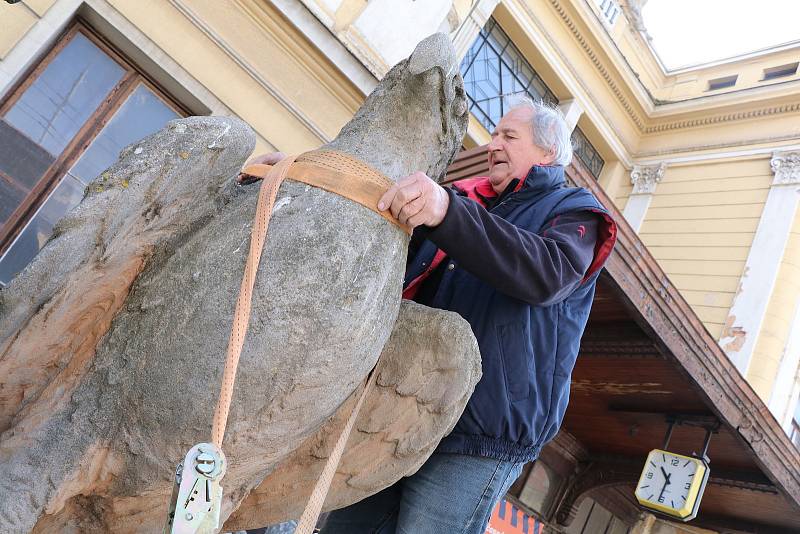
pixel 428 370
pixel 112 341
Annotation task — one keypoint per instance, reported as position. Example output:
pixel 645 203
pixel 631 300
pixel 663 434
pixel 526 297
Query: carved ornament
pixel 645 178
pixel 786 166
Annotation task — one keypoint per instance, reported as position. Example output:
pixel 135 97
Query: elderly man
pixel 517 254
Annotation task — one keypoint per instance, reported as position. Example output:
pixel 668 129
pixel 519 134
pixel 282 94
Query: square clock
pixel 672 484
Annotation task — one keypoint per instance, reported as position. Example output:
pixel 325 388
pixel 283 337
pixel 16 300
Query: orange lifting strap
pixel 334 172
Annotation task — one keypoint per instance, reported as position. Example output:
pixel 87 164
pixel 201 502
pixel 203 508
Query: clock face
pixel 672 484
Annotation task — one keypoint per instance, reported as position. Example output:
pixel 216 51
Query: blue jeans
pixel 451 493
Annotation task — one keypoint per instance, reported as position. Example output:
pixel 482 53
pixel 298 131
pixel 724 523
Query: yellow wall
pixel 777 320
pixel 700 226
pixel 266 66
pixel 622 193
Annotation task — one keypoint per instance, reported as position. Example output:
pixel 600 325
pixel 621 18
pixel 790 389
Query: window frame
pixel 722 82
pixel 579 155
pixel 93 125
pixel 780 71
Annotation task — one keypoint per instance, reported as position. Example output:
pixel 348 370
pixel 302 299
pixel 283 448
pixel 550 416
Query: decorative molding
pixel 633 12
pixel 592 476
pixel 726 117
pixel 319 34
pixel 721 150
pixel 572 111
pixel 609 79
pixel 786 166
pixel 468 29
pixel 568 447
pixel 637 349
pixel 352 38
pixel 645 178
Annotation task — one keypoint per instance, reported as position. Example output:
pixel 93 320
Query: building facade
pixel 703 162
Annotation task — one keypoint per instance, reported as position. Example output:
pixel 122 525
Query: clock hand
pixel 666 476
pixel 666 483
pixel 662 490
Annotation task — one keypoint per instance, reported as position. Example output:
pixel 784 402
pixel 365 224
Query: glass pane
pixel 21 160
pixel 33 237
pixel 498 38
pixel 586 152
pixel 142 114
pixel 10 197
pixel 539 488
pixel 64 96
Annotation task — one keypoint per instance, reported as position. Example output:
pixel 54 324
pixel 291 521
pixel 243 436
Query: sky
pixel 691 32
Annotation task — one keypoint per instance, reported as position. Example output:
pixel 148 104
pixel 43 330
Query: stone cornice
pixel 786 166
pixel 645 178
pixel 724 117
pixel 601 68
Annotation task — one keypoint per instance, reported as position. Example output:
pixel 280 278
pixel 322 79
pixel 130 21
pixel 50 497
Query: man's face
pixel 512 152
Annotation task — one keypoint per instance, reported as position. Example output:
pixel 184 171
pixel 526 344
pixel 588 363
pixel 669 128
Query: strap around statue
pixel 334 172
pixel 337 173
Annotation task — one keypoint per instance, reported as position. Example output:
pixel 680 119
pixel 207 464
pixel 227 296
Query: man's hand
pixel 416 200
pixel 271 158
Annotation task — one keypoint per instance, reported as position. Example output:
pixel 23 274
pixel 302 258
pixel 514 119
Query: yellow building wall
pixel 622 192
pixel 700 226
pixel 256 64
pixel 777 320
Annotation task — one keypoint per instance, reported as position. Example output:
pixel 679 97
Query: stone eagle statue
pixel 112 340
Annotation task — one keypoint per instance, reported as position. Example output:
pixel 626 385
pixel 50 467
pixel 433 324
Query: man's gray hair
pixel 550 130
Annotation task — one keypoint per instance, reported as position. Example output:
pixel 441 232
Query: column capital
pixel 786 166
pixel 645 177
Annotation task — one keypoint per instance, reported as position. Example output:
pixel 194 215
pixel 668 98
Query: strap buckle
pixel 197 494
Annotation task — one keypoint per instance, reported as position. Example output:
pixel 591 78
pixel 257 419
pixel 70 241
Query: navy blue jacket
pixel 528 350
